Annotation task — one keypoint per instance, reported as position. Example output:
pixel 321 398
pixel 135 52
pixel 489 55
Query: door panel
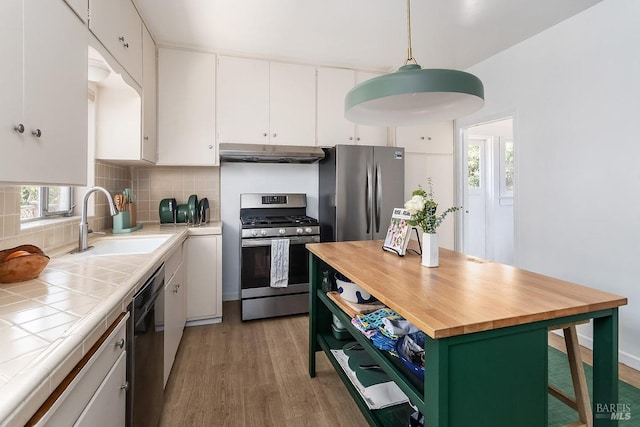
pixel 354 216
pixel 389 189
pixel 475 208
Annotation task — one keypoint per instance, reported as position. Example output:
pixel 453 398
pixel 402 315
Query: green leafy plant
pixel 423 209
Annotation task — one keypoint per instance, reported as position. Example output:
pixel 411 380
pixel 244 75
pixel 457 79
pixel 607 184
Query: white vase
pixel 430 250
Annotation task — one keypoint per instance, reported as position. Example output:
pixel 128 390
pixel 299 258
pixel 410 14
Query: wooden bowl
pixel 21 268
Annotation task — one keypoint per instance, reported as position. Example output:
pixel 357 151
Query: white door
pixel 488 191
pixel 475 198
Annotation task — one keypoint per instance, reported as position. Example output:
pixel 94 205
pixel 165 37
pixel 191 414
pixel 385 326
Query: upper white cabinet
pixel 149 144
pixel 186 108
pixel 262 102
pixel 434 138
pixel 43 80
pixel 80 7
pixel 333 128
pixel 118 26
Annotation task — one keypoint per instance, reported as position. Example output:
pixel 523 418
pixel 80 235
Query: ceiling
pixel 366 34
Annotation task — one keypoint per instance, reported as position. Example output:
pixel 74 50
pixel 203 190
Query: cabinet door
pixel 107 407
pixel 435 138
pixel 119 28
pixel 55 97
pixel 243 100
pixel 175 318
pixel 204 272
pixel 333 86
pixel 80 7
pixel 186 108
pixel 369 135
pixel 292 104
pixel 11 114
pixel 149 98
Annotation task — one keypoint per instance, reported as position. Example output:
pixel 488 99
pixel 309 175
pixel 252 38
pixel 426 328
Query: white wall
pixel 237 178
pixel 575 93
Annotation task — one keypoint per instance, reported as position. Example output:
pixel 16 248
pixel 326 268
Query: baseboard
pixel 204 321
pixel 625 358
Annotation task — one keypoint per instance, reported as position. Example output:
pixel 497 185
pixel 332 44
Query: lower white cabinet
pixel 204 275
pixel 108 405
pixel 175 309
pixel 96 395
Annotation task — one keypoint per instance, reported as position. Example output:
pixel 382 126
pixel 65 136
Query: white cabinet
pixel 333 128
pixel 80 7
pixel 262 102
pixel 118 26
pixel 204 275
pixel 175 308
pixel 126 130
pixel 43 80
pixel 434 138
pixel 186 108
pixel 94 393
pixel 149 144
pixel 107 407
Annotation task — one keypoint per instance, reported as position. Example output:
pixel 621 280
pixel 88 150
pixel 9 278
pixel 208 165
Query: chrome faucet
pixel 84 226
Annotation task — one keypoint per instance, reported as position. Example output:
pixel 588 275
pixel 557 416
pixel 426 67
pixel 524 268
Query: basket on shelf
pixel 24 262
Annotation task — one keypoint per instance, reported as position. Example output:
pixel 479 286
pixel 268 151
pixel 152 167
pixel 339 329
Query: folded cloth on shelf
pixel 374 320
pixel 383 342
pixel 368 333
pixel 279 263
pixel 398 327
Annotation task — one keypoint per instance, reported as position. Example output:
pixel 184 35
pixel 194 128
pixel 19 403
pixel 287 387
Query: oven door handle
pixel 252 243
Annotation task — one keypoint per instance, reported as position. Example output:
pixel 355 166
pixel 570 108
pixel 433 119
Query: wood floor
pixel 256 374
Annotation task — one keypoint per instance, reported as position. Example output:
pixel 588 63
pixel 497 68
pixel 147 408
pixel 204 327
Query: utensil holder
pixel 122 220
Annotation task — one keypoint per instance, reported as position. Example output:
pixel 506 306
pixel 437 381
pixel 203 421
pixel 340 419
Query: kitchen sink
pixel 126 245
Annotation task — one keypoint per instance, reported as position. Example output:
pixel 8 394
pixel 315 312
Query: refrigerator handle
pixel 369 200
pixel 378 196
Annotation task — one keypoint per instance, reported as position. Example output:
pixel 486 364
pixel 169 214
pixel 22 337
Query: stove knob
pixel 282 231
pixel 254 233
pixel 308 230
pixel 263 232
pixel 299 231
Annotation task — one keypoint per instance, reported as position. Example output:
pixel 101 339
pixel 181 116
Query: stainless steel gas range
pixel 265 219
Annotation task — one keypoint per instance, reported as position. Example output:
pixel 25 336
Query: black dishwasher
pixel 145 350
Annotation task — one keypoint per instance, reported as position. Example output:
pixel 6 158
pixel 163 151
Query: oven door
pixel 255 267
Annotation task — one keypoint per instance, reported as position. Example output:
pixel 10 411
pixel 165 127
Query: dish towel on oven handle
pixel 279 263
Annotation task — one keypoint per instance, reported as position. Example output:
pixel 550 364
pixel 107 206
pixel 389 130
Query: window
pixel 506 167
pixel 473 161
pixel 42 202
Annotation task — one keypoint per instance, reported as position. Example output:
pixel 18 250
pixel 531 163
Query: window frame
pixel 43 204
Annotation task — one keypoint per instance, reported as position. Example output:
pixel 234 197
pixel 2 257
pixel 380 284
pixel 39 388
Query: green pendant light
pixel 414 96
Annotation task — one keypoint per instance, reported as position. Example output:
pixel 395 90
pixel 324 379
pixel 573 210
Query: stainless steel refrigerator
pixel 358 188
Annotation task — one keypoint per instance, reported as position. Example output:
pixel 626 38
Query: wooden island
pixel 487 333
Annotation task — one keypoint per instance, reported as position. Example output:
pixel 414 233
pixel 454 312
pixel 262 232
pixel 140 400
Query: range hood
pixel 261 153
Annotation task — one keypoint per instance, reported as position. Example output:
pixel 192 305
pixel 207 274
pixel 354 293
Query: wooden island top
pixel 464 294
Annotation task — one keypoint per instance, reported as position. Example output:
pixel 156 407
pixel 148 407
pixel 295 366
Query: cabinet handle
pixel 428 138
pixel 120 343
pixel 350 138
pixel 264 134
pixel 210 147
pixel 125 386
pixel 146 138
pixel 37 133
pixel 175 291
pixel 275 134
pixel 358 139
pixel 121 38
pixel 126 45
pixel 19 128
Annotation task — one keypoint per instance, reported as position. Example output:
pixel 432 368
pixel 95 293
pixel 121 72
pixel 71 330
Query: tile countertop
pixel 49 323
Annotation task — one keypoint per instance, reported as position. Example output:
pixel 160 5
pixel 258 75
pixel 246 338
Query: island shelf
pixel 487 333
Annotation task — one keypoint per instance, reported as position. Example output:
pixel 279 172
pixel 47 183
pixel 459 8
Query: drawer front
pixel 73 400
pixel 172 263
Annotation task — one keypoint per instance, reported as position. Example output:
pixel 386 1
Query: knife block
pixel 121 220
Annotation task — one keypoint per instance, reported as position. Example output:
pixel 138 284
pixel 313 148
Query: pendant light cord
pixel 409 51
